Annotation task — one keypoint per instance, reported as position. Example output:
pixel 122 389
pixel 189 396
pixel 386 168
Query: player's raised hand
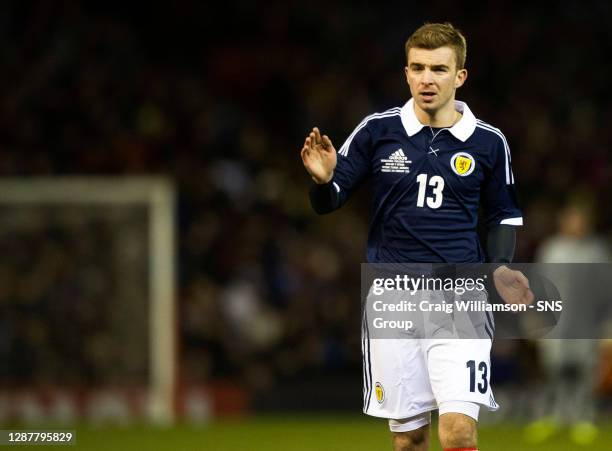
pixel 319 156
pixel 512 286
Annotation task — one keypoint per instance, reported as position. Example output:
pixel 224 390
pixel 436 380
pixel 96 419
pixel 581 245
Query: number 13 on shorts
pixel 482 373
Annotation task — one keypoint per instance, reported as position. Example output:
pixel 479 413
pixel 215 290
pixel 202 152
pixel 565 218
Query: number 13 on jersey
pixel 437 183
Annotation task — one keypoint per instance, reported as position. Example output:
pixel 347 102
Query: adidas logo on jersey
pixel 397 162
pixel 398 155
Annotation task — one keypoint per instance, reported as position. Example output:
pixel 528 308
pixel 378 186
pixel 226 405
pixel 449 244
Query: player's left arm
pixel 511 285
pixel 502 216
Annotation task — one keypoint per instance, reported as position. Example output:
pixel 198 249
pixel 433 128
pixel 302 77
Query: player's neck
pixel 445 117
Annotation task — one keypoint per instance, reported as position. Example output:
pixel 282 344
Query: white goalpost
pixel 157 196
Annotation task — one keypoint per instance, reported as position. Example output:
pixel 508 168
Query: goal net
pixel 87 291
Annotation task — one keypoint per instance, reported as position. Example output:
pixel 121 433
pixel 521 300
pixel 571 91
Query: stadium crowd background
pixel 221 101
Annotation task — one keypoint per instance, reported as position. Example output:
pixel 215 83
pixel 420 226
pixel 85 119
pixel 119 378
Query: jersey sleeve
pixel 499 192
pixel 353 163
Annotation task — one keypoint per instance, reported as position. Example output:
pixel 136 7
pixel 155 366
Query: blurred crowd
pixel 72 296
pixel 220 100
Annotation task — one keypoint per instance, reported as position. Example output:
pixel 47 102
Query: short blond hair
pixel 435 35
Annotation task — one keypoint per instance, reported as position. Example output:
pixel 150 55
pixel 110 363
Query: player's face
pixel 433 77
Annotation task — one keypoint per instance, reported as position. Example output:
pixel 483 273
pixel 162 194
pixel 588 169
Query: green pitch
pixel 296 433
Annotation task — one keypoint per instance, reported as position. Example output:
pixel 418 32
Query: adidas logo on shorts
pixel 397 162
pixel 492 402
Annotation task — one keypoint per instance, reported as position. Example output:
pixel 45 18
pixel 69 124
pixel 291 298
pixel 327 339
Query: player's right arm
pixel 319 157
pixel 335 174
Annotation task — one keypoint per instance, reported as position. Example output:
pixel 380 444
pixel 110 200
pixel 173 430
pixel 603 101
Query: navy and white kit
pixel 428 185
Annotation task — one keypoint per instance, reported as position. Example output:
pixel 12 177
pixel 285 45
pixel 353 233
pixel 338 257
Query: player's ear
pixel 460 78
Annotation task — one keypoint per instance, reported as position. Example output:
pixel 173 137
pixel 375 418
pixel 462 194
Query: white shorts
pixel 405 378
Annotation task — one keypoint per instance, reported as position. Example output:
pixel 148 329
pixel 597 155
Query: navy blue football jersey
pixel 428 184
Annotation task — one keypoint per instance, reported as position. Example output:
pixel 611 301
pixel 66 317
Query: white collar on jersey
pixel 462 130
